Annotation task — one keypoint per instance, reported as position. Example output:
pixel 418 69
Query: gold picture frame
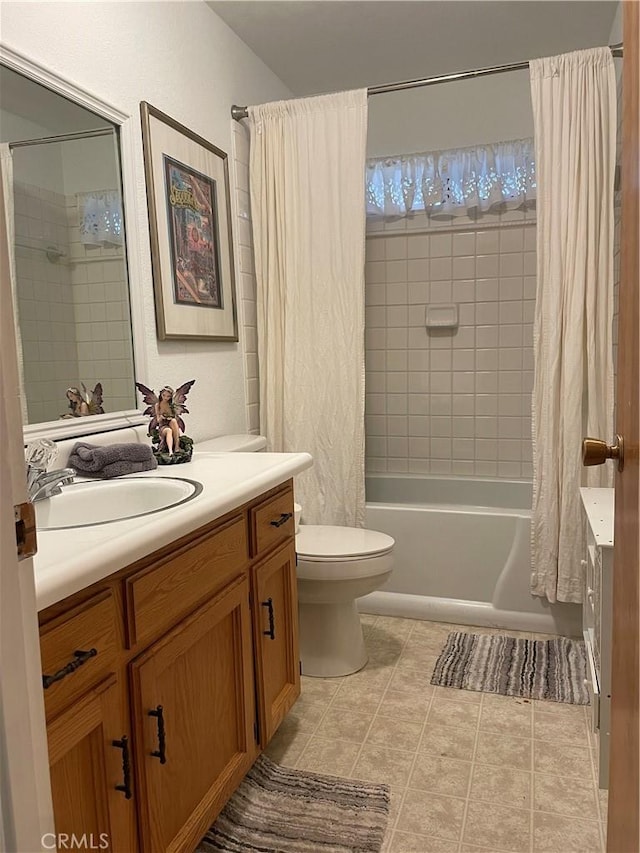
pixel 189 209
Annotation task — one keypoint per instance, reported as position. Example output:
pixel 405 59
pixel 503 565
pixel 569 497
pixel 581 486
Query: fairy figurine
pixel 166 426
pixel 85 402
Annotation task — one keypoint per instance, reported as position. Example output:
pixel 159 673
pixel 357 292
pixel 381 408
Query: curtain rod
pixel 64 137
pixel 239 113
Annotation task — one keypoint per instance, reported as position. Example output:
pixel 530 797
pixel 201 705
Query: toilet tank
pixel 233 444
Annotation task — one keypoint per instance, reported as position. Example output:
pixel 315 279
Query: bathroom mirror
pixel 71 290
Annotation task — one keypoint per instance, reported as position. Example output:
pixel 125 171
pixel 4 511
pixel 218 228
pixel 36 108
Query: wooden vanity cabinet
pixel 89 759
pixel 194 666
pixel 275 615
pixel 194 711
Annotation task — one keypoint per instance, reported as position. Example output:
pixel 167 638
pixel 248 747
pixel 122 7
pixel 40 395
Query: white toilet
pixel 335 565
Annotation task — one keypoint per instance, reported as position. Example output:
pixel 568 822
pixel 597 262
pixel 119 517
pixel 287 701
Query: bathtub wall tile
pixel 444 402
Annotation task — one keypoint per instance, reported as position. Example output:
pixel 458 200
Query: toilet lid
pixel 326 542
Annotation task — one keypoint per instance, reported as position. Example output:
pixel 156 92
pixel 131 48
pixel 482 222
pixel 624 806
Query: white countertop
pixel 69 560
pixel 598 505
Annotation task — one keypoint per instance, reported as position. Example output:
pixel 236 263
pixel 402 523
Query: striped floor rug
pixel 532 669
pixel 280 810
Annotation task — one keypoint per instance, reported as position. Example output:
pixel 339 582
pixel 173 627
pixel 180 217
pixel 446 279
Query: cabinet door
pixel 275 625
pixel 88 758
pixel 194 714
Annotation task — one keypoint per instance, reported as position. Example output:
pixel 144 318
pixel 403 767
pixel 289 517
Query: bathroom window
pixel 454 182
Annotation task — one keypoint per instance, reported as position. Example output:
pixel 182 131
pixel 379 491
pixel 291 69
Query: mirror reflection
pixel 70 283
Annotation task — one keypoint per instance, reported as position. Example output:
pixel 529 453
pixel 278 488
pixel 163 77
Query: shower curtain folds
pixel 574 105
pixel 307 166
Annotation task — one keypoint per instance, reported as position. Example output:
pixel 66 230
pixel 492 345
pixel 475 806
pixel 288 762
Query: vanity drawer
pixel 161 594
pixel 272 522
pixel 78 650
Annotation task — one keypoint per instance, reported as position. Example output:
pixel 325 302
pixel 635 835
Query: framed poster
pixel 190 229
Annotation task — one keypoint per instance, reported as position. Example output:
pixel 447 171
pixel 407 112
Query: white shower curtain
pixel 6 170
pixel 574 105
pixel 307 200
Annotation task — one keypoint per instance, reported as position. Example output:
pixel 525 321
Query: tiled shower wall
pixel 103 324
pixel 74 311
pixel 45 301
pixel 245 275
pixel 451 402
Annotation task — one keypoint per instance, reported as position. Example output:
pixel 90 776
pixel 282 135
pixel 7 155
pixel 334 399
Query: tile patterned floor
pixel 468 772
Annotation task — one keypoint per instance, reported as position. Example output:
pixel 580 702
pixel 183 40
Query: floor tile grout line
pixel 330 705
pixel 413 762
pixel 593 738
pixel 532 792
pixel 569 816
pixel 392 829
pixel 470 782
pixel 596 779
pixel 416 752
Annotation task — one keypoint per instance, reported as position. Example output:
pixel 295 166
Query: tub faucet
pixel 41 483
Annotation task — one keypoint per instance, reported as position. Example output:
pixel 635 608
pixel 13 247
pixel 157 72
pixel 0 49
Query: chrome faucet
pixel 41 483
pixel 50 483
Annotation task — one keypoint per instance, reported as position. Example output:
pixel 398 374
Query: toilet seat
pixel 322 543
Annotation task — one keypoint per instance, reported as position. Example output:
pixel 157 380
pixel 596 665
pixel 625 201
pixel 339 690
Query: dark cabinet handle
pixel 160 752
pixel 123 744
pixel 282 520
pixel 79 658
pixel 271 633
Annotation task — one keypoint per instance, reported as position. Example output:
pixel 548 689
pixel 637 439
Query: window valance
pixel 453 183
pixel 101 218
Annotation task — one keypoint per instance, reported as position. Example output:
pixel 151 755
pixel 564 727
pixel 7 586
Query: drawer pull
pixel 67 669
pixel 160 752
pixel 284 517
pixel 271 633
pixel 123 744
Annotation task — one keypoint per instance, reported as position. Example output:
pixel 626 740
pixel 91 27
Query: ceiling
pixel 52 113
pixel 327 45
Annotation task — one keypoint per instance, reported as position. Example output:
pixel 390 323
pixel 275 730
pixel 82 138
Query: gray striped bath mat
pixel 532 669
pixel 280 810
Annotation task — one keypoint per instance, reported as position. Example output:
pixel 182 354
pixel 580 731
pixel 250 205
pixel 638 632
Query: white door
pixel 26 813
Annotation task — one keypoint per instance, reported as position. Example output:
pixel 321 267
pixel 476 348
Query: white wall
pixel 451 115
pixel 185 61
pixel 90 164
pixel 615 36
pixel 40 165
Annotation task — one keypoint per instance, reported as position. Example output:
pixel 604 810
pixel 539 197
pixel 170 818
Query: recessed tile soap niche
pixel 442 317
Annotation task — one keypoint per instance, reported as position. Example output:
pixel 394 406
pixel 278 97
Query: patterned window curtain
pixel 459 182
pixel 100 218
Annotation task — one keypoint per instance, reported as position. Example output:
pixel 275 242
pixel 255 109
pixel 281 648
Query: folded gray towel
pixel 119 469
pixel 114 460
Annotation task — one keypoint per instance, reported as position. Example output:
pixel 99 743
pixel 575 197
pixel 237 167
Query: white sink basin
pixel 99 502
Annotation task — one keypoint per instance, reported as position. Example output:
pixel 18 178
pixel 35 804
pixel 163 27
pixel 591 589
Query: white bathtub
pixel 462 554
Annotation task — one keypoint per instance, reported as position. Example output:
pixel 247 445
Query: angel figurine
pixel 166 426
pixel 85 402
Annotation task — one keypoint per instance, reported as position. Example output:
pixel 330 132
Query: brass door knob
pixel 595 451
